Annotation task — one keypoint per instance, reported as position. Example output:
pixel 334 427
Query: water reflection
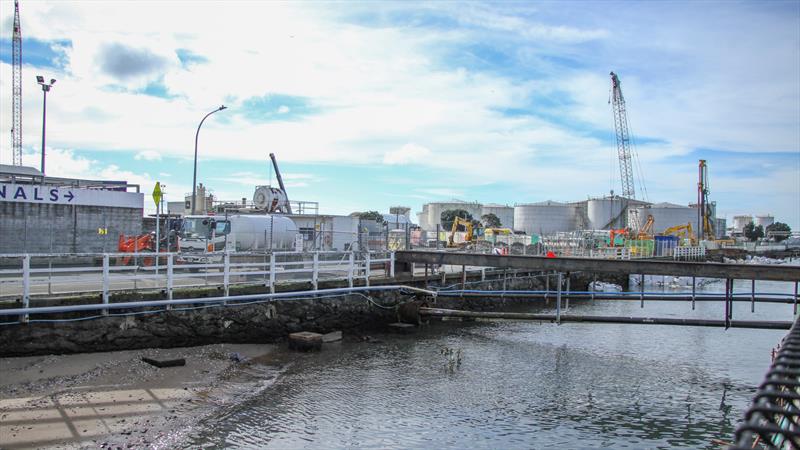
pixel 519 385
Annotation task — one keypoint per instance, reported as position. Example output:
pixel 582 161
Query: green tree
pixel 491 221
pixel 753 232
pixel 781 228
pixel 371 215
pixel 450 215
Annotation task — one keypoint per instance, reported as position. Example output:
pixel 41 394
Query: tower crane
pixel 623 138
pixel 16 90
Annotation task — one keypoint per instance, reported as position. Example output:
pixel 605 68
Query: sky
pixel 368 105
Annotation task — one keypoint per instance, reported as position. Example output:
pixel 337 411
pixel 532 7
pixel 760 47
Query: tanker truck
pixel 201 235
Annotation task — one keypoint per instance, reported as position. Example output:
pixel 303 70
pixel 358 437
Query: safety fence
pixel 23 276
pixel 772 419
pixel 689 253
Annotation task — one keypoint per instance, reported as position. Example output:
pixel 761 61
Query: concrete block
pixel 305 341
pixel 333 336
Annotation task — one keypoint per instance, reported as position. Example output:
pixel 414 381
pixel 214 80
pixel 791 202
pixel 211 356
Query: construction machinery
pixel 276 207
pixel 467 224
pixel 144 243
pixel 16 90
pixel 704 210
pixel 612 235
pixel 646 232
pixel 683 232
pixel 622 138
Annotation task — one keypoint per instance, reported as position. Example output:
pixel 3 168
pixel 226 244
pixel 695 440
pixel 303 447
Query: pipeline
pixel 767 325
pixel 187 301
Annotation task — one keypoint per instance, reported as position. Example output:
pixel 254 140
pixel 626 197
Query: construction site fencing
pixel 25 276
pixel 689 253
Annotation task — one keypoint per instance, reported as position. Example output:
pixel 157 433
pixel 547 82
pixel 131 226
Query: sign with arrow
pixel 58 195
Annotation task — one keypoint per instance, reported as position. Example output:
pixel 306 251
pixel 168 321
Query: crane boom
pixel 16 90
pixel 623 138
pixel 280 181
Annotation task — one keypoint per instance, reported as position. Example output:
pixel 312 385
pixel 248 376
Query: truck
pixel 202 235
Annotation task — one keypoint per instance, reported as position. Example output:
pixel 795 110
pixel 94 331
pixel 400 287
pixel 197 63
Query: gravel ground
pixel 114 400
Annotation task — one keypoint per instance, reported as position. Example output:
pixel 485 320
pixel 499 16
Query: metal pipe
pixel 558 300
pixel 771 325
pixel 186 301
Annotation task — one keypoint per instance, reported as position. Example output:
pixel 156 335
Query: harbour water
pixel 518 384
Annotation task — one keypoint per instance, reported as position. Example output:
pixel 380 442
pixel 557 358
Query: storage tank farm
pixel 545 217
pixel 764 221
pixel 739 223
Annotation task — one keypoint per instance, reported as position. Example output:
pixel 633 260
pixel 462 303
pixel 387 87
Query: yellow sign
pixel 102 231
pixel 157 193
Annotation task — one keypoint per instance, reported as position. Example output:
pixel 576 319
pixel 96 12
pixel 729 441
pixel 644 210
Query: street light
pixel 45 89
pixel 194 177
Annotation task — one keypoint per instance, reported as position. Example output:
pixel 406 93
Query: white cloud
pixel 148 155
pixel 283 109
pixel 407 154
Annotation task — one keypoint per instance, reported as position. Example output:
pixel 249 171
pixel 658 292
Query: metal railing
pixel 772 419
pixel 689 253
pixel 24 276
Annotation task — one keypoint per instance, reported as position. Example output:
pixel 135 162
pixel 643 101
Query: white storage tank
pixel 764 221
pixel 432 212
pixel 545 217
pixel 503 212
pixel 606 213
pixel 259 232
pixel 739 223
pixel 667 215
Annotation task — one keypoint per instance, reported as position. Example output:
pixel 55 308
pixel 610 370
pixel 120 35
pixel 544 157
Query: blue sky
pixel 374 104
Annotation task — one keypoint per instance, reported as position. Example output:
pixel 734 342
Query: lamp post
pixel 45 89
pixel 194 177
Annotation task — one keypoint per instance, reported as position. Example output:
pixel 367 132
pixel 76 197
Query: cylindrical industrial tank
pixel 667 215
pixel 739 222
pixel 257 232
pixel 764 221
pixel 503 212
pixel 544 217
pixel 606 213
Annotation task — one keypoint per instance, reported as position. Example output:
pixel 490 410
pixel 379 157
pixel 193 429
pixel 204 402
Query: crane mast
pixel 16 90
pixel 705 225
pixel 623 138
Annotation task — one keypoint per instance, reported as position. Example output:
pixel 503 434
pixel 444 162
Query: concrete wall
pixel 57 228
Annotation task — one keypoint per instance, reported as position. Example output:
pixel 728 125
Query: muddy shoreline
pixel 115 400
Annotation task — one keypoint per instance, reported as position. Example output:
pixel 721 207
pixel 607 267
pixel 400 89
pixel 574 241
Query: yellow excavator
pixel 646 232
pixel 682 232
pixel 467 224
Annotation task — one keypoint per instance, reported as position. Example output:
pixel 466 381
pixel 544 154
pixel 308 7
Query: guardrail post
pixel 367 264
pixel 592 285
pixel 752 296
pixel 105 282
pixel 546 286
pixel 641 290
pixel 272 273
pixel 170 268
pixel 694 291
pixel 558 299
pixel 26 286
pixel 483 273
pixel 315 271
pixel 391 265
pixel 226 274
pixel 795 298
pixel 351 268
pixel 567 299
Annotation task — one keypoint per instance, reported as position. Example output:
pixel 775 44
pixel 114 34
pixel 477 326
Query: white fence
pixel 689 253
pixel 26 275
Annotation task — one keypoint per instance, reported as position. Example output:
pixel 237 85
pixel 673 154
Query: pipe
pixel 187 301
pixel 768 325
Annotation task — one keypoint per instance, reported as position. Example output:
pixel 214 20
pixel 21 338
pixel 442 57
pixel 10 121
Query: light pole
pixel 45 89
pixel 194 177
